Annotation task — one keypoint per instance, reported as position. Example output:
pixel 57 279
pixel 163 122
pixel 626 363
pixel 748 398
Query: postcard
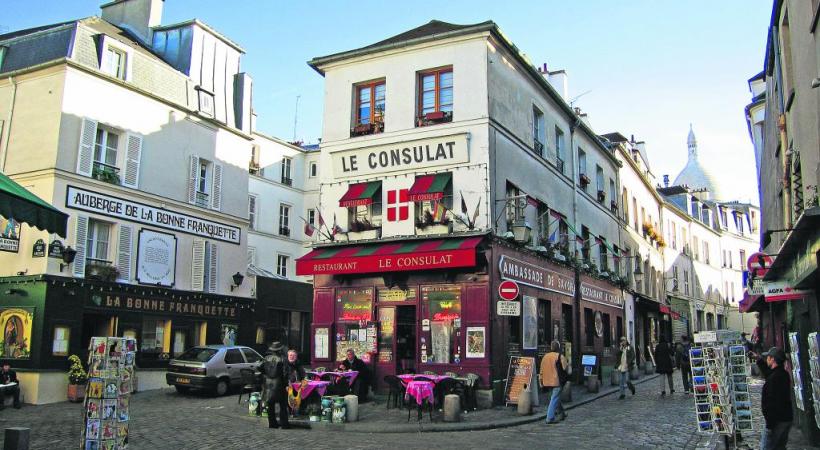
pixel 109 409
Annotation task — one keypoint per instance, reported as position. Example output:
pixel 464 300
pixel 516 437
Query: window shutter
pixel 252 211
pixel 216 191
pixel 133 154
pixel 79 244
pixel 192 176
pixel 213 266
pixel 198 265
pixel 124 253
pixel 251 256
pixel 85 153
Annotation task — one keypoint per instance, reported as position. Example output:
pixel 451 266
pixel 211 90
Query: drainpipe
pixel 576 299
pixel 8 124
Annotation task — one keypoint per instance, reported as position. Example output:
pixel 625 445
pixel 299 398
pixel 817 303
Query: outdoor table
pixel 420 390
pixel 435 379
pixel 351 375
pixel 319 386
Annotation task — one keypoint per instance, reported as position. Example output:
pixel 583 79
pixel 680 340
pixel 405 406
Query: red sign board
pixel 508 290
pixel 388 263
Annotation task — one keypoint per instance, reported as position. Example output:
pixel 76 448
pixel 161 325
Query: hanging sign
pixel 39 249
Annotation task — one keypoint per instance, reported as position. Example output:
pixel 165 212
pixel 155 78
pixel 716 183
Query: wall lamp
pixel 238 278
pixel 68 257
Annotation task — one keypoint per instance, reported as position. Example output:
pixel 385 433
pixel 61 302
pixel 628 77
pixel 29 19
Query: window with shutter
pixel 133 153
pixel 213 268
pixel 216 191
pixel 193 171
pixel 251 256
pixel 124 253
pixel 81 233
pixel 252 213
pixel 85 152
pixel 198 265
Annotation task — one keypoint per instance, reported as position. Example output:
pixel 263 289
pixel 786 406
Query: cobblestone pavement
pixel 165 420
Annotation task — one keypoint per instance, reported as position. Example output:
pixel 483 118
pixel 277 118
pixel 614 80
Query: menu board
pixel 519 376
pixel 354 305
pixel 386 331
pixel 814 371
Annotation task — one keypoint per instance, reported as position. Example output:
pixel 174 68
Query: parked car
pixel 214 368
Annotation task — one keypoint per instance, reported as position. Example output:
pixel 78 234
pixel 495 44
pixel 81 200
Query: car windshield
pixel 200 354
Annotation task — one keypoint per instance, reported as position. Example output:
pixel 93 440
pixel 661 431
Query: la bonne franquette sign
pixel 405 156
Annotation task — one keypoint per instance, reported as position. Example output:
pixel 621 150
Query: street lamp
pixel 521 231
pixel 238 278
pixel 68 257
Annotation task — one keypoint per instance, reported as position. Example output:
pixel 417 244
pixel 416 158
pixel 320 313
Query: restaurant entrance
pixel 405 338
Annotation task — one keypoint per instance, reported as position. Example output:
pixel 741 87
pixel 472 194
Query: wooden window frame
pixel 420 94
pixel 372 86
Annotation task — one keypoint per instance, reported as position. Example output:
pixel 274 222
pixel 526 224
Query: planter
pixel 438 228
pixel 366 234
pixel 76 392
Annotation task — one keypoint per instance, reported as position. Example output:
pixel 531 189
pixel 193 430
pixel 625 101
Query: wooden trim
pixel 437 89
pixel 372 86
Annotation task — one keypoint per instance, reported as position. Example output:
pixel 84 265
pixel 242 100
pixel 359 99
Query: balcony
pixel 613 206
pixel 284 231
pixel 287 181
pixel 105 173
pixel 559 164
pixel 201 199
pixel 363 129
pixel 100 269
pixel 538 146
pixel 434 117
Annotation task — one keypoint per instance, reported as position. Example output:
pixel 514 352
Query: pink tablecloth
pixel 319 386
pixel 407 378
pixel 351 375
pixel 420 390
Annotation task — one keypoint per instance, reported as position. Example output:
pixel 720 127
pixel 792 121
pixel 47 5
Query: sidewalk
pixel 374 417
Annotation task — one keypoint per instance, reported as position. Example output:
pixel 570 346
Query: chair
pixel 340 387
pixel 444 387
pixel 396 391
pixel 412 403
pixel 250 383
pixel 472 386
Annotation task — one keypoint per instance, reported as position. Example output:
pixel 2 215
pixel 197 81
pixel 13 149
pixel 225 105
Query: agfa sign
pixel 778 291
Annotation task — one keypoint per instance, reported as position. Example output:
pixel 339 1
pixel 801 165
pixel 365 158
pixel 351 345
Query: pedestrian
pixel 553 375
pixel 775 399
pixel 273 391
pixel 626 362
pixel 663 365
pixel 683 362
pixel 11 387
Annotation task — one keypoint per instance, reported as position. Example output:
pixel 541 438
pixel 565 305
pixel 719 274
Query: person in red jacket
pixel 775 400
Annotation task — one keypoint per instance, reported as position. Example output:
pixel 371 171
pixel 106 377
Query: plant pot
pixel 76 392
pixel 366 234
pixel 438 228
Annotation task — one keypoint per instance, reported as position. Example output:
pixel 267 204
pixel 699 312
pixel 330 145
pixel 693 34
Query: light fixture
pixel 638 274
pixel 68 257
pixel 238 278
pixel 521 231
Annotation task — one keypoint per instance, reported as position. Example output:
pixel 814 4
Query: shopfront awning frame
pixel 19 204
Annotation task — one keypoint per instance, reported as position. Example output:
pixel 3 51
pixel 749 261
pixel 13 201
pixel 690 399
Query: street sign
pixel 508 290
pixel 504 308
pixel 754 263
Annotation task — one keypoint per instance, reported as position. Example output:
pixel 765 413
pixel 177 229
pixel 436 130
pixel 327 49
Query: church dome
pixel 695 175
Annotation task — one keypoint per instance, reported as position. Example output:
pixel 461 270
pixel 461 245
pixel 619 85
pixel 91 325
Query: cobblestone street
pixel 163 419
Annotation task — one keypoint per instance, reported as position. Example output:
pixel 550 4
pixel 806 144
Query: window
pixel 538 132
pixel 599 179
pixel 559 149
pixel 3 50
pixel 582 169
pixel 284 219
pixel 370 103
pixel 706 252
pixel 96 245
pixel 209 267
pixel 115 64
pixel 153 335
pixel 313 172
pixel 434 211
pixel 250 355
pixel 311 217
pixel 543 224
pixel 635 210
pixel 104 167
pixel 206 102
pixel 613 196
pixel 59 346
pixel 286 164
pixel 696 247
pixel 602 255
pixel 589 327
pixel 607 330
pixel 513 207
pixel 366 217
pixel 202 185
pixel 742 258
pixel 260 336
pixel 252 202
pixel 253 166
pixel 731 260
pixel 443 310
pixel 435 97
pixel 586 246
pixel 234 356
pixel 282 265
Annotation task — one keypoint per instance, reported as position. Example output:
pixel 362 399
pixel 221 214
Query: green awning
pixel 17 203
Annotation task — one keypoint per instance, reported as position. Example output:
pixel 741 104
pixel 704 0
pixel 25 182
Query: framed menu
pixel 321 343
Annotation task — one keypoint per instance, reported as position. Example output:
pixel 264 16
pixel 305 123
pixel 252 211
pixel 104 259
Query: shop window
pixel 589 327
pixel 180 342
pixel 129 333
pixel 607 330
pixel 59 346
pixel 153 335
pixel 354 309
pixel 435 102
pixel 201 333
pixel 544 324
pixel 234 356
pixel 443 305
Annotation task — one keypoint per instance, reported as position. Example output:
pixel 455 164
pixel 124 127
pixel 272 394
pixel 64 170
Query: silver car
pixel 215 368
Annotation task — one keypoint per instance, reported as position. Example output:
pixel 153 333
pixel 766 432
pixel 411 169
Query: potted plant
pixel 427 224
pixel 77 377
pixel 601 196
pixel 584 179
pixel 101 272
pixel 363 229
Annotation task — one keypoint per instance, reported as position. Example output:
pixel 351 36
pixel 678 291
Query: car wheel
pixel 182 389
pixel 221 388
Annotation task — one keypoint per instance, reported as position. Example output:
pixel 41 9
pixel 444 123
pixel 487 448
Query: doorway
pixel 405 339
pixel 96 325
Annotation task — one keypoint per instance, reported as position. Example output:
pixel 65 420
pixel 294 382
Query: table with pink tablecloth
pixel 351 375
pixel 435 379
pixel 318 386
pixel 420 390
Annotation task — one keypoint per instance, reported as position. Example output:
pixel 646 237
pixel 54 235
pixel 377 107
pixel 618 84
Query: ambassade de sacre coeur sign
pixel 401 156
pixel 108 205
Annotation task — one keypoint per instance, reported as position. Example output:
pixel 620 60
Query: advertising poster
pixel 229 334
pixel 9 235
pixel 530 323
pixel 16 323
pixel 156 258
pixel 519 376
pixel 475 342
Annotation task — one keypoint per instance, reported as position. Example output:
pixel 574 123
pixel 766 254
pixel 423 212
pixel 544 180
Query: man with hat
pixel 775 400
pixel 273 391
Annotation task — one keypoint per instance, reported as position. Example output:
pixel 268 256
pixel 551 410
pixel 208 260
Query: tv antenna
pixel 295 117
pixel 574 99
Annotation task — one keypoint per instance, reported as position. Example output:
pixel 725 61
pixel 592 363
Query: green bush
pixel 76 373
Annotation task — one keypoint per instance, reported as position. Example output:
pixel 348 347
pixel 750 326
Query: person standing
pixel 294 372
pixel 775 399
pixel 683 362
pixel 626 362
pixel 663 365
pixel 9 377
pixel 553 375
pixel 273 391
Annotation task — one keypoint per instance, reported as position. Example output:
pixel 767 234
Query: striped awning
pixel 360 194
pixel 429 187
pixel 390 257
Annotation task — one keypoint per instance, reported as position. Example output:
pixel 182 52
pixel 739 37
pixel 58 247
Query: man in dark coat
pixel 775 400
pixel 362 383
pixel 663 365
pixel 683 362
pixel 8 376
pixel 273 391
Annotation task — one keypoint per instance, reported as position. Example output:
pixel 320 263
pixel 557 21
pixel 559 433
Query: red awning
pixel 390 257
pixel 429 187
pixel 664 309
pixel 360 194
pixel 751 303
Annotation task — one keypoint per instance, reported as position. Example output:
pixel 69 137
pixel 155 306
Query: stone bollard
pixel 16 438
pixel 452 408
pixel 634 374
pixel 525 402
pixel 593 385
pixel 352 407
pixel 615 377
pixel 566 393
pixel 484 398
pixel 648 368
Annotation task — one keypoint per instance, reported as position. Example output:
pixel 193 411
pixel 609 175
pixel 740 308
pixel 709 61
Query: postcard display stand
pixel 720 380
pixel 110 383
pixel 814 370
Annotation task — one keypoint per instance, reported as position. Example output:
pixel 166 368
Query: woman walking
pixel 626 362
pixel 664 365
pixel 552 378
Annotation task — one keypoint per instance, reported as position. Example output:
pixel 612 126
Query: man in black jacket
pixel 775 400
pixel 9 377
pixel 273 390
pixel 362 384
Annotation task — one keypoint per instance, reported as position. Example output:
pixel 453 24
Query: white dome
pixel 695 175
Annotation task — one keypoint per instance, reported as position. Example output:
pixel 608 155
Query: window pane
pixel 364 113
pixel 111 145
pixel 446 80
pixel 364 95
pixel 98 154
pixel 250 355
pixel 379 92
pixel 428 83
pixel 446 97
pixel 428 100
pixel 233 356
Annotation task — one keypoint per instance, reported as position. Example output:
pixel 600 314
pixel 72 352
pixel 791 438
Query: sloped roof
pixel 615 137
pixel 19 33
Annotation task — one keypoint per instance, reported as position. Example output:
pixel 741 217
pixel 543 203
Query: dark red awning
pixel 390 257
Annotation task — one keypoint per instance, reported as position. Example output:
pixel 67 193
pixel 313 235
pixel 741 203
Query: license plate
pixel 184 380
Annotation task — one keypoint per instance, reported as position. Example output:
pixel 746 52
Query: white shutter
pixel 85 153
pixel 80 237
pixel 192 176
pixel 216 187
pixel 213 268
pixel 124 253
pixel 198 265
pixel 133 154
pixel 251 256
pixel 252 211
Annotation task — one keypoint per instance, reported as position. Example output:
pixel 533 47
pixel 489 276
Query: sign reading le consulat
pixel 108 205
pixel 422 153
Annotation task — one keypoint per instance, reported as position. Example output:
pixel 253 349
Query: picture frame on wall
pixel 476 342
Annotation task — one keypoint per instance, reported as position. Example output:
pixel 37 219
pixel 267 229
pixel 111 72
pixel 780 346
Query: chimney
pixel 666 181
pixel 136 16
pixel 558 79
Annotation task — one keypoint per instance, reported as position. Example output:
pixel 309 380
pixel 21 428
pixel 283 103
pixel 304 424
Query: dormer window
pixel 116 60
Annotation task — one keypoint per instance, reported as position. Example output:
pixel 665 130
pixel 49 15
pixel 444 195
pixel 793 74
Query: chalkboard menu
pixel 519 375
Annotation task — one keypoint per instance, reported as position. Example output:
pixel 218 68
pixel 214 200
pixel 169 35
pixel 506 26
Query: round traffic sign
pixel 759 262
pixel 508 290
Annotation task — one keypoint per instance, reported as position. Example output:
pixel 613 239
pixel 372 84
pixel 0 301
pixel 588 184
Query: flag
pixel 552 237
pixel 308 228
pixel 463 204
pixel 555 214
pixel 321 220
pixel 438 211
pixel 475 214
pixel 579 239
pixel 599 241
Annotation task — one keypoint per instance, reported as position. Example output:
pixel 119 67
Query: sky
pixel 646 68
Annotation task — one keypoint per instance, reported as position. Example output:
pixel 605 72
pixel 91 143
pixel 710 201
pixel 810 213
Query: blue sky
pixel 651 67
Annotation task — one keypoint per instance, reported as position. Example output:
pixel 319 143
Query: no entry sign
pixel 508 290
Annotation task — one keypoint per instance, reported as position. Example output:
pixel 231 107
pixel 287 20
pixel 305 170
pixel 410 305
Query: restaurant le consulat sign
pixel 549 280
pixel 108 205
pixel 403 156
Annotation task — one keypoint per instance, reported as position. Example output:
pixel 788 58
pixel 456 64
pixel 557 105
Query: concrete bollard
pixel 452 408
pixel 16 438
pixel 525 402
pixel 615 377
pixel 484 398
pixel 648 368
pixel 566 393
pixel 634 374
pixel 593 385
pixel 352 408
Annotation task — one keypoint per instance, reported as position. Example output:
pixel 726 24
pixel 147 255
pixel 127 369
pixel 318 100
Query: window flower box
pixel 436 228
pixel 583 179
pixel 601 196
pixel 364 129
pixel 101 270
pixel 434 118
pixel 374 233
